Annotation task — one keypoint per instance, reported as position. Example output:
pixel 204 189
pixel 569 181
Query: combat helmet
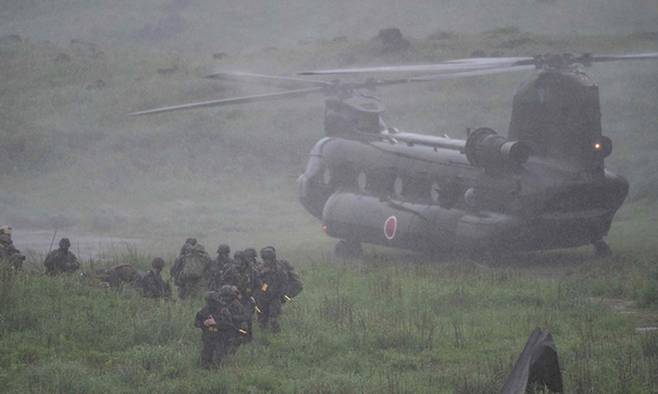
pixel 158 263
pixel 213 297
pixel 228 293
pixel 223 249
pixel 64 243
pixel 250 253
pixel 268 253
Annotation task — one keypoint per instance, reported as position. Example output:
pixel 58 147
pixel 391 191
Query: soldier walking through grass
pixel 61 260
pixel 244 277
pixel 278 284
pixel 152 284
pixel 190 269
pixel 220 322
pixel 252 256
pixel 218 266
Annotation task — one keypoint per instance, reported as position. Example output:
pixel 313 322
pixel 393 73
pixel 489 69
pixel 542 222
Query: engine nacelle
pixel 486 149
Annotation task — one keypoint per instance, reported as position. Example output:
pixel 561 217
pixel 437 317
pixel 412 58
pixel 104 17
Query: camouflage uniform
pixel 273 281
pixel 220 321
pixel 8 252
pixel 152 283
pixel 219 266
pixel 61 260
pixel 190 285
pixel 244 277
pixel 252 257
pixel 115 276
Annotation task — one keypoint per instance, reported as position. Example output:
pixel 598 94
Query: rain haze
pixel 126 188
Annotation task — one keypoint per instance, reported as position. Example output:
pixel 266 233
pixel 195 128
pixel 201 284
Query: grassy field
pixel 392 322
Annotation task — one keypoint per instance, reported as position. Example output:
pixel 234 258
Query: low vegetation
pixel 392 322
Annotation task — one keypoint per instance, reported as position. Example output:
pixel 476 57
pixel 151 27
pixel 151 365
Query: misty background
pixel 71 71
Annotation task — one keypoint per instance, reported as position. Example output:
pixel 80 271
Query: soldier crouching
pixel 61 260
pixel 222 324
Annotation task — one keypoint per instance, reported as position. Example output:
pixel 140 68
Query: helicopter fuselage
pixel 432 199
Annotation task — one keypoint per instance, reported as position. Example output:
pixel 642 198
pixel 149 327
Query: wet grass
pixel 387 323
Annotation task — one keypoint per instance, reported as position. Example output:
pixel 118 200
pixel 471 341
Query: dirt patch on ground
pixel 645 320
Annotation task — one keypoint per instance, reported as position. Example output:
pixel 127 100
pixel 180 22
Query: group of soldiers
pixel 235 288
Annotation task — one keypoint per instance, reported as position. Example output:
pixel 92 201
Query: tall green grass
pixel 388 323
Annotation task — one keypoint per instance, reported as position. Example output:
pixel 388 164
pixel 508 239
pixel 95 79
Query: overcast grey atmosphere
pixel 397 318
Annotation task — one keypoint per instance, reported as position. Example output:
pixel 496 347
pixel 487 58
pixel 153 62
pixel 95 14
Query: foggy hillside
pixel 215 26
pixel 71 74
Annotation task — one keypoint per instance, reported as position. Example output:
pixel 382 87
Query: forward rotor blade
pixel 231 101
pixel 245 76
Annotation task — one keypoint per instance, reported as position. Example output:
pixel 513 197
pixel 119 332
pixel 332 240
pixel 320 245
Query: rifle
pixel 52 241
pixel 213 328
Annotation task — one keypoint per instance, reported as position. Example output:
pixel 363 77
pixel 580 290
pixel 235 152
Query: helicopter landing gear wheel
pixel 601 249
pixel 347 249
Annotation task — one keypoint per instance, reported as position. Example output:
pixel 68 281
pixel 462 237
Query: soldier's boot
pixel 263 320
pixel 207 351
pixel 250 331
pixel 274 325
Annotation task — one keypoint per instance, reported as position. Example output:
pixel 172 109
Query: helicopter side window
pixel 416 189
pixel 445 193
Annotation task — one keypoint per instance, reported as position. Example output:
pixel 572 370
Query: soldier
pixel 277 286
pixel 251 255
pixel 113 277
pixel 190 269
pixel 152 284
pixel 8 252
pixel 243 276
pixel 220 323
pixel 219 266
pixel 61 260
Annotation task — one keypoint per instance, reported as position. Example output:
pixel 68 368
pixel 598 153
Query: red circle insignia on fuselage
pixel 390 227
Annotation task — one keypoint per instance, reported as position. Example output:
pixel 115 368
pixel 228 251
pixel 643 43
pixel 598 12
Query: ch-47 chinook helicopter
pixel 544 186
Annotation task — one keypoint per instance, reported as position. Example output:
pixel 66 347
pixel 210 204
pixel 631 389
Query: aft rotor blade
pixel 245 76
pixel 457 65
pixel 231 101
pixel 475 73
pixel 486 63
pixel 632 56
pixel 446 76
